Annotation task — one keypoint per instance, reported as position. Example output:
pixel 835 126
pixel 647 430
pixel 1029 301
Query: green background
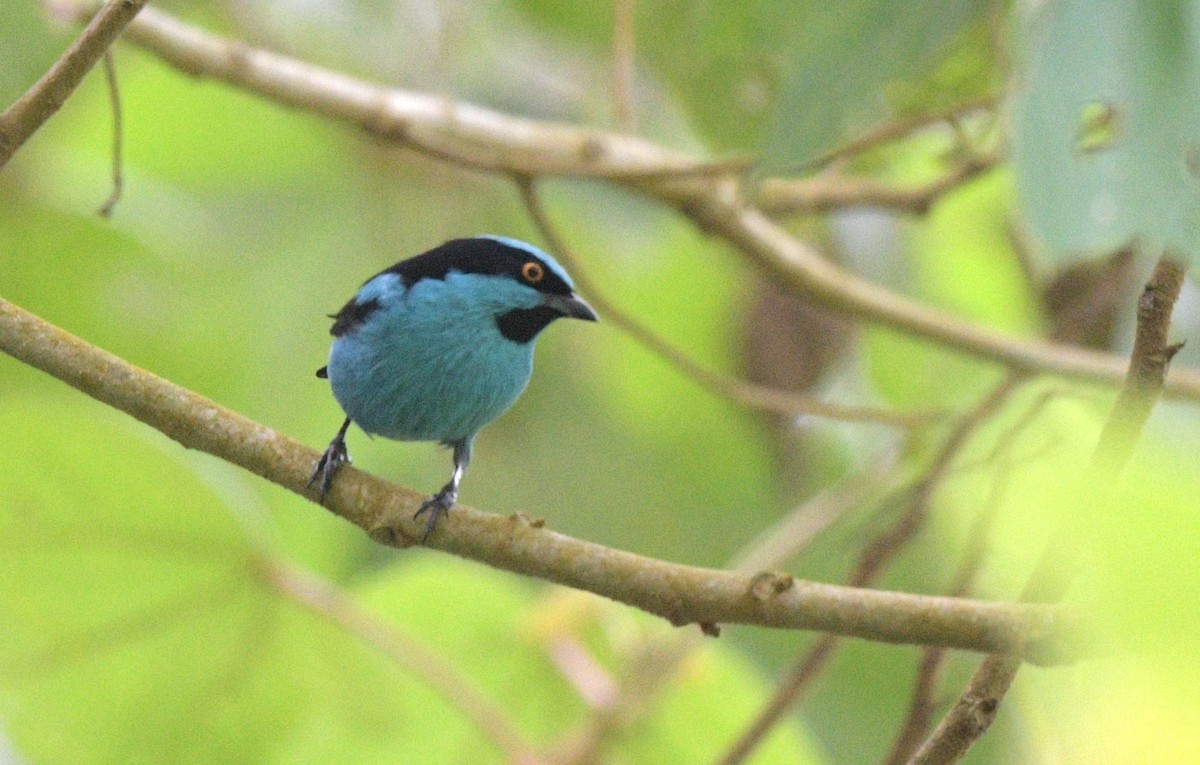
pixel 135 622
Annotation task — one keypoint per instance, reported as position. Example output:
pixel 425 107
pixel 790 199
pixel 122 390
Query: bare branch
pixel 874 559
pixel 40 102
pixel 1148 364
pixel 975 710
pixel 921 706
pixel 781 402
pixel 114 98
pixel 480 138
pixel 827 192
pixel 681 594
pixel 623 65
pixel 901 127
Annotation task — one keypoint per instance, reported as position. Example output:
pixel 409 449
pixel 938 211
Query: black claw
pixel 334 457
pixel 437 506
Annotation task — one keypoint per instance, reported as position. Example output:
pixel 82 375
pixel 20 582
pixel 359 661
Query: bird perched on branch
pixel 439 345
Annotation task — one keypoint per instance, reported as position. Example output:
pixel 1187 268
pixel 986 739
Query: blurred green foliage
pixel 134 625
pixel 1137 64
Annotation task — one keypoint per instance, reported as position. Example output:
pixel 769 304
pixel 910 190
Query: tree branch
pixel 782 402
pixel 873 560
pixel 828 192
pixel 973 713
pixel 40 102
pixel 681 594
pixel 1147 365
pixel 484 139
pixel 903 126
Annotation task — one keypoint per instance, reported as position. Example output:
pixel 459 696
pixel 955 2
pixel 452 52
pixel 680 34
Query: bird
pixel 439 345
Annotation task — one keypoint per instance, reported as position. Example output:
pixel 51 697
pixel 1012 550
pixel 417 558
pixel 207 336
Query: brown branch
pixel 28 113
pixel 623 65
pixel 901 127
pixel 682 594
pixel 825 193
pixel 660 655
pixel 114 99
pixel 480 138
pixel 786 538
pixel 922 704
pixel 875 557
pixel 785 403
pixel 1147 364
pixel 975 710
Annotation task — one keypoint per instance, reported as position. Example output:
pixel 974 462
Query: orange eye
pixel 533 272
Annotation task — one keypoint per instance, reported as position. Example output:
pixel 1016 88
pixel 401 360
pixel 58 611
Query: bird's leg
pixel 439 504
pixel 334 457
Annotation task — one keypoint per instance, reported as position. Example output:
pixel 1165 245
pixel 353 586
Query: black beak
pixel 571 305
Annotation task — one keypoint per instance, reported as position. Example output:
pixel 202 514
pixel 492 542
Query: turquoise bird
pixel 441 344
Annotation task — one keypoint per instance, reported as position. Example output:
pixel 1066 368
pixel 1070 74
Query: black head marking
pixel 351 315
pixel 477 255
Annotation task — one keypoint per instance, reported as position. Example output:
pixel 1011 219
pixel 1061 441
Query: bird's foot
pixel 334 457
pixel 437 506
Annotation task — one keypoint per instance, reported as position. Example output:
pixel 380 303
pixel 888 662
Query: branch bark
pixel 711 195
pixel 681 594
pixel 48 94
pixel 873 560
pixel 976 709
pixel 782 402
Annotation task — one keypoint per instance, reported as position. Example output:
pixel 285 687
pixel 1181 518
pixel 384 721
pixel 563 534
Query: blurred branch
pixel 682 594
pixel 976 708
pixel 786 538
pixel 901 127
pixel 785 403
pixel 921 706
pixel 1148 364
pixel 711 195
pixel 623 65
pixel 834 191
pixel 873 560
pixel 114 98
pixel 431 668
pixel 659 655
pixel 28 113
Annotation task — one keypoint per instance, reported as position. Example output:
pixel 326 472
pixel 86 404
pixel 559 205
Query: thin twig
pixel 682 594
pixel 901 127
pixel 786 403
pixel 1148 364
pixel 976 708
pixel 23 118
pixel 875 557
pixel 661 654
pixel 790 535
pixel 431 668
pixel 921 706
pixel 623 65
pixel 473 136
pixel 114 97
pixel 828 192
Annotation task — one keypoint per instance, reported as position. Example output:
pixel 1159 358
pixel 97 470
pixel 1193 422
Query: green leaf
pixel 847 58
pixel 138 618
pixel 720 61
pixel 1105 126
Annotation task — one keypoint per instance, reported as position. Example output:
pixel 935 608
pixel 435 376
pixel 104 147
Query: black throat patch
pixel 523 324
